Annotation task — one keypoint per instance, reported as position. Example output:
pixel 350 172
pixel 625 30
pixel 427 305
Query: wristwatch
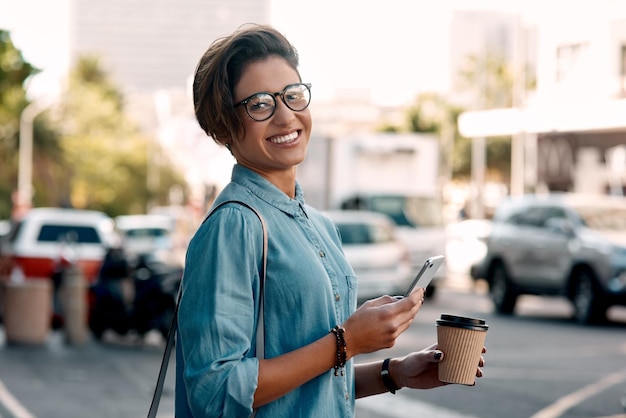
pixel 387 381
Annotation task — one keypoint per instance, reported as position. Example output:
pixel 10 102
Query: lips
pixel 283 139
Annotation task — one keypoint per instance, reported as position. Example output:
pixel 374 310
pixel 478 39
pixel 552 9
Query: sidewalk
pixel 115 379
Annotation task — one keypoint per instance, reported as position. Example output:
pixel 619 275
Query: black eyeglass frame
pixel 281 93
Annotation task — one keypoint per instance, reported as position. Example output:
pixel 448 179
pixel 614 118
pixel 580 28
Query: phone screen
pixel 426 273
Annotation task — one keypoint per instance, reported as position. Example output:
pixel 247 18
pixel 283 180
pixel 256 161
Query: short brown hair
pixel 220 69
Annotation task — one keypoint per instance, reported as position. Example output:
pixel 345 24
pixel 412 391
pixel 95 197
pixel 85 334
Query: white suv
pixel 46 236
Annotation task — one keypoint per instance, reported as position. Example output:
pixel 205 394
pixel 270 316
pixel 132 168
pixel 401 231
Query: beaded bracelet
pixel 341 349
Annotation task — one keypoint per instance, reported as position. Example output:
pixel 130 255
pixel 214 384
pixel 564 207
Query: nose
pixel 282 114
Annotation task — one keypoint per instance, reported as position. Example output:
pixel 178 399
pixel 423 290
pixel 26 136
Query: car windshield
pixel 146 233
pixel 410 211
pixel 604 218
pixel 69 233
pixel 355 233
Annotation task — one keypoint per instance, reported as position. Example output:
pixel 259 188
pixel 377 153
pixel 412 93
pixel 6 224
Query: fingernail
pixel 437 355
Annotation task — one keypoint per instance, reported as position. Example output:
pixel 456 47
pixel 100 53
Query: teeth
pixel 285 138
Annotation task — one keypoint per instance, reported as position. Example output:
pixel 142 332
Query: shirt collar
pixel 268 192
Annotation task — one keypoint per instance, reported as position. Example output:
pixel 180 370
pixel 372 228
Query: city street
pixel 539 365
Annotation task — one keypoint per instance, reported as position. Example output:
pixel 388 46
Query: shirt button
pixel 347 397
pixel 322 253
pixel 337 297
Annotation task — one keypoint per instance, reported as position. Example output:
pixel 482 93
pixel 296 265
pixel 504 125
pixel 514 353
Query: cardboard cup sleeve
pixel 461 339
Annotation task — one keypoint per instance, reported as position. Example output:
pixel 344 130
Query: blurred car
pixel 5 227
pixel 560 244
pixel 381 261
pixel 45 242
pixel 466 245
pixel 142 234
pixel 419 224
pixel 46 238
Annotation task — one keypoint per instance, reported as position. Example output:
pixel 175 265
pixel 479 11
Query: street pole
pixel 25 170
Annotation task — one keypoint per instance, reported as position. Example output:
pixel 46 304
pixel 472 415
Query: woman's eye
pixel 259 104
pixel 294 96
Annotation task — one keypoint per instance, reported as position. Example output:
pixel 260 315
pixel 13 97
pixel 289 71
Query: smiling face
pixel 274 146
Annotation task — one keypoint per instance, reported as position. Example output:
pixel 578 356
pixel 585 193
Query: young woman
pixel 249 97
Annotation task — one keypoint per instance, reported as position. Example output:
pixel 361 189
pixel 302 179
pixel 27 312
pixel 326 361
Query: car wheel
pixel 587 306
pixel 503 295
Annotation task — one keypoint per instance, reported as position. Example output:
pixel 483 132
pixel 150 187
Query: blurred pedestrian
pixel 249 97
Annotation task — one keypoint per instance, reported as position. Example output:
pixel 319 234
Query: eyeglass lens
pixel 261 106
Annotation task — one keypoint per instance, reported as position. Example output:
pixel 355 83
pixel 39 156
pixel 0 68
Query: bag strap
pixel 260 333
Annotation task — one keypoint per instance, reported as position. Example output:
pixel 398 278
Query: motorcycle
pixel 134 293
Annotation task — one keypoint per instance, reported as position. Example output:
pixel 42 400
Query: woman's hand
pixel 419 370
pixel 377 323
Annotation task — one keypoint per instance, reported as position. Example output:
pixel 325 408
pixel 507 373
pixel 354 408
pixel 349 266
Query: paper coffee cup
pixel 461 339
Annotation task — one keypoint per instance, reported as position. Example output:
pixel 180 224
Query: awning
pixel 545 117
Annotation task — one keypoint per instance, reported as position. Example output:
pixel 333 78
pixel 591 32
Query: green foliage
pixel 428 114
pixel 488 79
pixel 14 73
pixel 105 150
pixel 86 152
pixel 388 128
pixel 434 114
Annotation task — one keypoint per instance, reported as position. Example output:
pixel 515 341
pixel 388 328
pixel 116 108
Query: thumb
pixel 433 354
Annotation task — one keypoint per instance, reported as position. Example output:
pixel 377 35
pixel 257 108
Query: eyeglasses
pixel 261 106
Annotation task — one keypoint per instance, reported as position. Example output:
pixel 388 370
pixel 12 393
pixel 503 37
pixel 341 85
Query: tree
pixel 434 114
pixel 490 80
pixel 105 151
pixel 15 73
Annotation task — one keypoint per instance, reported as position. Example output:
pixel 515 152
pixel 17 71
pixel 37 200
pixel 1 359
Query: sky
pixel 393 48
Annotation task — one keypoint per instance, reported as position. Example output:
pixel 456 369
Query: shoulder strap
pixel 260 333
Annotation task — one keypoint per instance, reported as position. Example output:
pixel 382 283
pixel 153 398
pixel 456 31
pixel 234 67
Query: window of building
pixel 622 70
pixel 566 57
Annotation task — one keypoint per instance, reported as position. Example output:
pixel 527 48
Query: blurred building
pixel 155 44
pixel 482 34
pixel 573 129
pixel 151 49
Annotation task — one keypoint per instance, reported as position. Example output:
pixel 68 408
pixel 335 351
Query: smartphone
pixel 426 273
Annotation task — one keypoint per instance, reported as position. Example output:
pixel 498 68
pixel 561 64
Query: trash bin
pixel 27 308
pixel 73 295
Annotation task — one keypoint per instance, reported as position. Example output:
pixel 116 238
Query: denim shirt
pixel 309 288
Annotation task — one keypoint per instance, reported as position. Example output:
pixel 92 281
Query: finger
pixel 433 346
pixel 419 292
pixel 379 301
pixel 433 355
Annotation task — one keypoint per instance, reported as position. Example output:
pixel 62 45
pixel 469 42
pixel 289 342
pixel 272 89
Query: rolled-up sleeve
pixel 218 313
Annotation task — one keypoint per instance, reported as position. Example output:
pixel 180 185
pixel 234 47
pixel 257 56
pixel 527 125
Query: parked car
pixel 44 237
pixel 5 227
pixel 143 234
pixel 419 224
pixel 560 244
pixel 381 261
pixel 466 245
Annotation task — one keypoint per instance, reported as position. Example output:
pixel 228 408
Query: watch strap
pixel 387 381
